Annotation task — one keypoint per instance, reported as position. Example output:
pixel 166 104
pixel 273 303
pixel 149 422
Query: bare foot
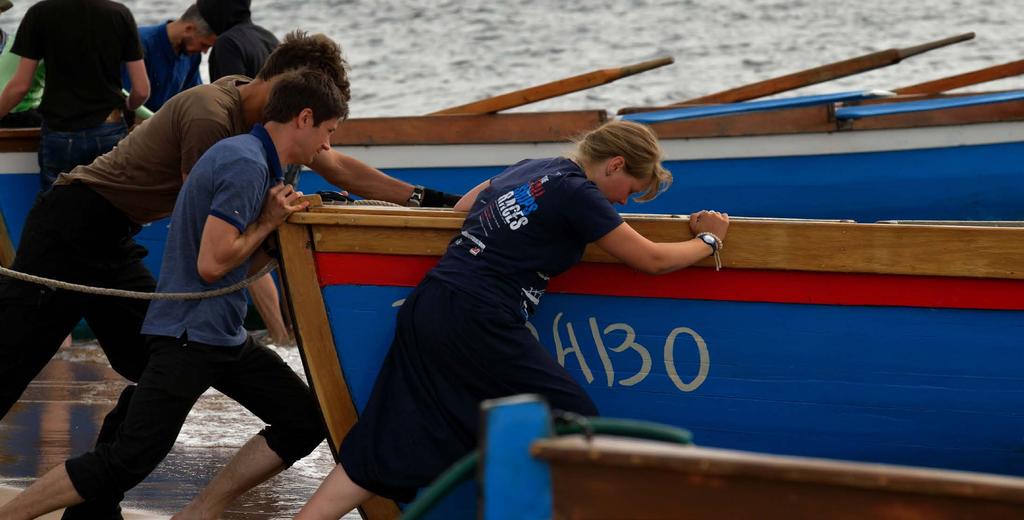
pixel 191 512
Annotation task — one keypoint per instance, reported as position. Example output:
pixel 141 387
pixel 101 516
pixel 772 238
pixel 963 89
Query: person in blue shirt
pixel 461 336
pixel 233 199
pixel 172 52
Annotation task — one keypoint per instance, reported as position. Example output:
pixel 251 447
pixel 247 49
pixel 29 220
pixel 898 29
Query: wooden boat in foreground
pixel 529 474
pixel 668 482
pixel 891 343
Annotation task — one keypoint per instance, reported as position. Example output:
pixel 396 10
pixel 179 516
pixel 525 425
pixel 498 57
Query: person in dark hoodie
pixel 242 46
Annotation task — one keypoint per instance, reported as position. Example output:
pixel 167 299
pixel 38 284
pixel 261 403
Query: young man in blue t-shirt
pixel 232 201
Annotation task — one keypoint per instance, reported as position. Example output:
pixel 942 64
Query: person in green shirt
pixel 24 114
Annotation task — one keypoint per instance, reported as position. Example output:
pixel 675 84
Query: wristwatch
pixel 416 199
pixel 711 240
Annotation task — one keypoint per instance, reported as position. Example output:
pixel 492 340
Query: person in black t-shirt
pixel 241 46
pixel 461 335
pixel 82 103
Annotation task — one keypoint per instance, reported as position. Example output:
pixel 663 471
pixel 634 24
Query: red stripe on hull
pixel 706 284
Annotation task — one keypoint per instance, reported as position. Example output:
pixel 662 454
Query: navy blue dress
pixel 461 336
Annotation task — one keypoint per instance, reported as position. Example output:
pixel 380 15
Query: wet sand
pixel 60 413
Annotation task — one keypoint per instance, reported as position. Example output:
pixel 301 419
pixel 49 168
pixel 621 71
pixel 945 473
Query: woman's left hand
pixel 707 221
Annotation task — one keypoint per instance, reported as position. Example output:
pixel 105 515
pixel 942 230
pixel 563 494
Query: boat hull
pixel 19 190
pixel 886 343
pixel 875 383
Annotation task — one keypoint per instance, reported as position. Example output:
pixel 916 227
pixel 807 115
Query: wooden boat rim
pixel 961 250
pixel 558 127
pixel 319 213
pixel 623 452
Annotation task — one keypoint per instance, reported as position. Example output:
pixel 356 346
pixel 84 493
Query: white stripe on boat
pixel 19 162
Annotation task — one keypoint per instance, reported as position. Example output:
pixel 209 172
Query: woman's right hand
pixel 705 221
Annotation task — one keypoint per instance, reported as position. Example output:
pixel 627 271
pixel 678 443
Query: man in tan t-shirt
pixel 81 231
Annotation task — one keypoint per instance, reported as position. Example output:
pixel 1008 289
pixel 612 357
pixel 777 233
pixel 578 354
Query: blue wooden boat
pixel 837 156
pixel 948 158
pixel 19 184
pixel 890 342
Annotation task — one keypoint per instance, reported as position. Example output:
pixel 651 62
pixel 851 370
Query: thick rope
pixel 370 202
pixel 138 295
pixel 121 293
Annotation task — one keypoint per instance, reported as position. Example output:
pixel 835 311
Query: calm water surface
pixel 413 57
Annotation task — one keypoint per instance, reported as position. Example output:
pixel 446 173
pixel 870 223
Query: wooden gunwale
pixel 19 140
pixel 623 452
pixel 558 127
pixel 820 119
pixel 795 245
pixel 664 480
pixel 316 344
pixel 468 129
pixel 6 246
pixel 817 119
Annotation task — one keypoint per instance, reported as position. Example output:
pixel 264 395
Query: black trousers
pixel 450 352
pixel 75 235
pixel 179 371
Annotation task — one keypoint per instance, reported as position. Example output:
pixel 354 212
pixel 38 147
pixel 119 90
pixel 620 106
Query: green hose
pixel 626 428
pixel 458 473
pixel 463 470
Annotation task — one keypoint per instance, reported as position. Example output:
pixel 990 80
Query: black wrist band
pixel 439 199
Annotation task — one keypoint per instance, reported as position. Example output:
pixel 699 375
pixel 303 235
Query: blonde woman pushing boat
pixel 461 335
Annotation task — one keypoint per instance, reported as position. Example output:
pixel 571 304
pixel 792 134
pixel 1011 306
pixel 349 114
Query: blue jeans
pixel 59 152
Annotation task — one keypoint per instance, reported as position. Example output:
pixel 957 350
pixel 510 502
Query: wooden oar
pixel 974 77
pixel 6 247
pixel 550 90
pixel 823 73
